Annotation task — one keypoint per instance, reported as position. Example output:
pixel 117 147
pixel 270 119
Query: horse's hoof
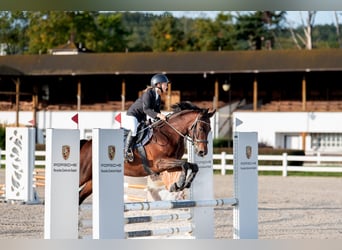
pixel 188 185
pixel 174 188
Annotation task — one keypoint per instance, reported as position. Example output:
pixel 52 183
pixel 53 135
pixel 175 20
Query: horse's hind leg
pixel 85 191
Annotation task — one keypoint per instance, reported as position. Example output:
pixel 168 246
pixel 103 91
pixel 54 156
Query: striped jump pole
pixel 166 205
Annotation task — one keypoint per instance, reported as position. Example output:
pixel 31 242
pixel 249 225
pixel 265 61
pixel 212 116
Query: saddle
pixel 144 134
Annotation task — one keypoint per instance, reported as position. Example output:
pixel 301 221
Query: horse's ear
pixel 211 113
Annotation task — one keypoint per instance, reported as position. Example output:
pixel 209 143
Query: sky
pixel 293 17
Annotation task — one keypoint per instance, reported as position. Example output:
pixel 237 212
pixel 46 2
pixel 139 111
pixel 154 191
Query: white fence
pixel 316 163
pixel 327 164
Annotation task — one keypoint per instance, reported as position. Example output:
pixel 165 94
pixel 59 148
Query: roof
pixel 10 71
pixel 70 48
pixel 177 62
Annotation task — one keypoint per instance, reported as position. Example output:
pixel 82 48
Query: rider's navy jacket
pixel 147 104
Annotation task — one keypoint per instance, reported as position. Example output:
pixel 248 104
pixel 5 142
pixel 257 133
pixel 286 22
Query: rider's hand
pixel 161 117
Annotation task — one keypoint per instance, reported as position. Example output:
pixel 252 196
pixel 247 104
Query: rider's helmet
pixel 158 78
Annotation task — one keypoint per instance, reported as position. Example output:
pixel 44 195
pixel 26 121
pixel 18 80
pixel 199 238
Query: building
pixel 265 84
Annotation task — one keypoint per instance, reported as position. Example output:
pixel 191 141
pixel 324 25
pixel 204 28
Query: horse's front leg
pixel 174 165
pixel 180 184
pixel 185 181
pixel 192 175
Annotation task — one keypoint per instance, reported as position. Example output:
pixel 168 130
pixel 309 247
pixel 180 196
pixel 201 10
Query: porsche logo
pixel 111 152
pixel 65 152
pixel 248 152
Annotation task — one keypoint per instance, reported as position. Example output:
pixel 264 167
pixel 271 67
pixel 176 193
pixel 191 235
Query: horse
pixel 164 150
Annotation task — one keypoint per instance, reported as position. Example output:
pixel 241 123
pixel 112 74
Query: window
pixel 326 141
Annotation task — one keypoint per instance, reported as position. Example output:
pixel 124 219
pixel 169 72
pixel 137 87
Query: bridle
pixel 193 139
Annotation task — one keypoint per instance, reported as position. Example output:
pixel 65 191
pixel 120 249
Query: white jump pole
pixel 108 187
pixel 202 189
pixel 246 185
pixel 61 184
pixel 20 150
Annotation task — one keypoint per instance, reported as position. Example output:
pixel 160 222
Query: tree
pixel 337 23
pixel 208 35
pixel 225 34
pixel 13 27
pixel 166 34
pixel 138 26
pixel 99 32
pixel 111 33
pixel 256 28
pixel 310 20
pixel 305 39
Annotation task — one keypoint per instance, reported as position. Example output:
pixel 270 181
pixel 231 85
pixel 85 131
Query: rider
pixel 148 105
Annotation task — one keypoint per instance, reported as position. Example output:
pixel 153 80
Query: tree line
pixel 30 32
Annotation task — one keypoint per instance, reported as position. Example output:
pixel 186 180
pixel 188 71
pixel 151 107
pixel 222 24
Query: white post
pixel 108 184
pixel 223 163
pixel 61 184
pixel 246 185
pixel 202 189
pixel 319 158
pixel 285 162
pixel 20 150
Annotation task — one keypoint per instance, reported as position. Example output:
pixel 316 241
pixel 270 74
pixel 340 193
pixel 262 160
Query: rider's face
pixel 164 86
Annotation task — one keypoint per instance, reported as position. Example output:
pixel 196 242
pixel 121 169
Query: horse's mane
pixel 178 107
pixel 188 106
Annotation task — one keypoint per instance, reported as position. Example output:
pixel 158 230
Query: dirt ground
pixel 289 208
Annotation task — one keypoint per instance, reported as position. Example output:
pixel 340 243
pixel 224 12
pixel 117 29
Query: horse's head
pixel 195 122
pixel 199 131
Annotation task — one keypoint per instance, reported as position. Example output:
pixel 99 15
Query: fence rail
pixel 313 163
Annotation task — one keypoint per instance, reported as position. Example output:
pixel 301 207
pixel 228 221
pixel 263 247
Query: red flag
pixel 118 118
pixel 75 118
pixel 33 122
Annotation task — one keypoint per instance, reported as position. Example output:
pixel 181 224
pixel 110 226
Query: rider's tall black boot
pixel 129 156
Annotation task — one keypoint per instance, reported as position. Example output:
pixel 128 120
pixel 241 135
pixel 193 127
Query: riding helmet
pixel 158 78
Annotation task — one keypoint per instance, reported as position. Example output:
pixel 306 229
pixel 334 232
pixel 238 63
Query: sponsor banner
pixel 61 183
pixel 108 174
pixel 245 185
pixel 202 189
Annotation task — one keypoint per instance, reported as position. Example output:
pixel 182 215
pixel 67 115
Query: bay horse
pixel 164 151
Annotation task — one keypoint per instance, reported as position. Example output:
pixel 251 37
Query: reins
pixel 178 132
pixel 192 140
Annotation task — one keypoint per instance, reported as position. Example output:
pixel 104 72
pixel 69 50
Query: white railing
pixel 315 163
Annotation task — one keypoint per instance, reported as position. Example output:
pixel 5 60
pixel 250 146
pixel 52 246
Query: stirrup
pixel 129 156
